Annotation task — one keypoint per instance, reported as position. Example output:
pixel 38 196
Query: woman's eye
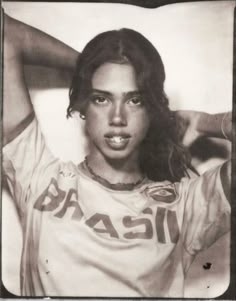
pixel 137 101
pixel 99 100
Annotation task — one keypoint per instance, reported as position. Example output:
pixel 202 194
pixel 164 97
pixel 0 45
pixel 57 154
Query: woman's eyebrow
pixel 133 93
pixel 102 92
pixel 125 94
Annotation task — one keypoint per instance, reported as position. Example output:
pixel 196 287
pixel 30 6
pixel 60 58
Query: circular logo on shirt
pixel 166 194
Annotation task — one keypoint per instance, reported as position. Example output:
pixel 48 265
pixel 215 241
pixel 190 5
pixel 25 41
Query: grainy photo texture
pixel 117 130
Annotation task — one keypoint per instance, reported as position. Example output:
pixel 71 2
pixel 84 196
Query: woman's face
pixel 116 117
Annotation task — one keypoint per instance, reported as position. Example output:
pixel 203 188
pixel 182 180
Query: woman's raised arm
pixel 24 44
pixel 199 124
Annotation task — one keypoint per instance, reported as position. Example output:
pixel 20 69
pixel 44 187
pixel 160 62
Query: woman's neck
pixel 115 170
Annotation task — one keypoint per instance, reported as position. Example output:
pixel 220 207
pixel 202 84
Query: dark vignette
pixel 230 293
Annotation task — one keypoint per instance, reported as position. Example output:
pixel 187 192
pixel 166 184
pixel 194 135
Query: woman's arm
pixel 220 126
pixel 24 44
pixel 200 124
pixel 215 125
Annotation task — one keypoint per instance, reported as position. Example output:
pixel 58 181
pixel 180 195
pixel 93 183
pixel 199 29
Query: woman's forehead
pixel 115 78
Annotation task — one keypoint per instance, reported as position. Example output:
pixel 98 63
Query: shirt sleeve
pixel 22 157
pixel 206 213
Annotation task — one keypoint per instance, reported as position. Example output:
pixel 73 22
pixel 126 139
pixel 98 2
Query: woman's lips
pixel 117 141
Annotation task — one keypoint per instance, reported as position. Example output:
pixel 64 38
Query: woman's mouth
pixel 117 141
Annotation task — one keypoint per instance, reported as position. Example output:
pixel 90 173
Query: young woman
pixel 127 221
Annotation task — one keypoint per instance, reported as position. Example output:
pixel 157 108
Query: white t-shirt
pixel 84 239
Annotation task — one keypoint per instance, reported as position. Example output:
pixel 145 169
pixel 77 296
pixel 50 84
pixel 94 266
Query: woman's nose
pixel 118 115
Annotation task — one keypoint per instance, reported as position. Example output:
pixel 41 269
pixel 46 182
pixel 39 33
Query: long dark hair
pixel 162 156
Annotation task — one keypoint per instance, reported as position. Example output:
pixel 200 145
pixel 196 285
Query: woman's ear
pixel 82 116
pixel 80 106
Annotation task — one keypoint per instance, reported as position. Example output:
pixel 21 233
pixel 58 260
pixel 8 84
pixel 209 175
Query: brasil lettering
pixel 53 196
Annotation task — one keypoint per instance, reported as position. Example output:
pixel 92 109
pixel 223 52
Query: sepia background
pixel 195 41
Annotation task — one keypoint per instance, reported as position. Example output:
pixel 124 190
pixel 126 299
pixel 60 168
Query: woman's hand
pixel 198 124
pixel 190 125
